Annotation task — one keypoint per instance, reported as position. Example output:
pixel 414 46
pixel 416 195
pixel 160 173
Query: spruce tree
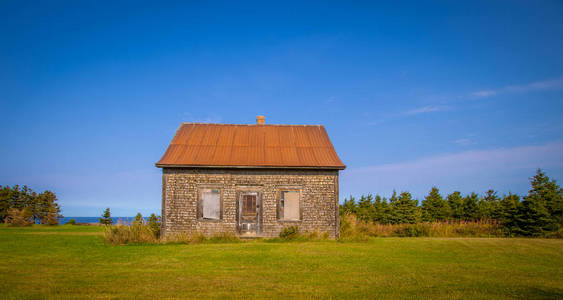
pixel 154 224
pixel 491 209
pixel 434 207
pixel 550 195
pixel 349 206
pixel 138 219
pixel 404 209
pixel 51 217
pixel 455 201
pixel 386 212
pixel 470 208
pixel 364 209
pixel 377 210
pixel 508 211
pixel 533 218
pixel 5 192
pixel 106 218
pixel 540 211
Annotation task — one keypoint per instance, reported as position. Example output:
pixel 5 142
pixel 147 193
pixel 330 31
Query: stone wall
pixel 181 186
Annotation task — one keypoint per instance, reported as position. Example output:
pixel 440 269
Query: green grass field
pixel 74 262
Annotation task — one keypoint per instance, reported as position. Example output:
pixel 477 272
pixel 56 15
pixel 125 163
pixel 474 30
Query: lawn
pixel 74 262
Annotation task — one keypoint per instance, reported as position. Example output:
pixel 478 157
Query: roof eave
pixel 251 167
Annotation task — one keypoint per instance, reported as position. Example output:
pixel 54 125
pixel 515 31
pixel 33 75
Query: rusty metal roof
pixel 263 146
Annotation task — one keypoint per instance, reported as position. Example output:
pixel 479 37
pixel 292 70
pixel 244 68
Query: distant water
pixel 120 220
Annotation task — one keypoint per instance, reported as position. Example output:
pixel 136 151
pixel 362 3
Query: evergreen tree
pixel 490 207
pixel 364 208
pixel 470 208
pixel 349 206
pixel 404 208
pixel 434 207
pixel 378 210
pixel 550 195
pixel 154 224
pixel 508 212
pixel 106 218
pixel 138 219
pixel 533 218
pixel 455 202
pixel 51 217
pixel 16 199
pixel 46 207
pixel 540 211
pixel 5 192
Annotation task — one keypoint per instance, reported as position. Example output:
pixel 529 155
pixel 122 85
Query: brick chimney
pixel 260 120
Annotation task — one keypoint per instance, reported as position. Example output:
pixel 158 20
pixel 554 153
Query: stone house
pixel 250 180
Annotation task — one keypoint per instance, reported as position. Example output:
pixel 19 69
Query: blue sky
pixel 464 96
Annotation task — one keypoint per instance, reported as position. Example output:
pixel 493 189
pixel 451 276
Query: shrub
pixel 124 234
pixel 71 222
pixel 352 229
pixel 290 232
pixel 19 218
pixel 155 224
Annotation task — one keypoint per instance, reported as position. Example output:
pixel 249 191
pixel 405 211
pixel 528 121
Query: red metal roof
pixel 230 145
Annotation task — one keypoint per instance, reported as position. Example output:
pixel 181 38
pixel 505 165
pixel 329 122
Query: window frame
pixel 200 202
pixel 279 208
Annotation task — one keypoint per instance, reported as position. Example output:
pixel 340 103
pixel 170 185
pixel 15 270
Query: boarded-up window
pixel 211 204
pixel 289 205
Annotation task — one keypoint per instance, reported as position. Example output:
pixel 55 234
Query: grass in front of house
pixel 75 262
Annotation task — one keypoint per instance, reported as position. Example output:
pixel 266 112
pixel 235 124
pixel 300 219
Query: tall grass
pixel 353 229
pixel 124 234
pixel 139 233
pixel 199 237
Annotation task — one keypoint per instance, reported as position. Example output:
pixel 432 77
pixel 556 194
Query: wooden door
pixel 249 213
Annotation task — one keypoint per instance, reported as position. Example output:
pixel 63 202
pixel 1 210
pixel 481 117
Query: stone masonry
pixel 180 192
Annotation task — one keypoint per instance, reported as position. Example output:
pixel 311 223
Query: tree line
pixel 540 213
pixel 22 206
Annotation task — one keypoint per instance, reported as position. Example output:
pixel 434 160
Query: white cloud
pixel 533 86
pixel 484 93
pixel 426 109
pixel 503 169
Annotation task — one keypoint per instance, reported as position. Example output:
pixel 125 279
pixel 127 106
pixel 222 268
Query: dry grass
pixel 130 234
pixel 353 229
pixel 199 237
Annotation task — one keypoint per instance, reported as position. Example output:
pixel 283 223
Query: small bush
pixel 353 230
pixel 290 232
pixel 19 218
pixel 124 234
pixel 71 222
pixel 154 223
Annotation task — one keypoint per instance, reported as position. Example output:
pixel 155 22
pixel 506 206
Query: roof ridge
pixel 227 124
